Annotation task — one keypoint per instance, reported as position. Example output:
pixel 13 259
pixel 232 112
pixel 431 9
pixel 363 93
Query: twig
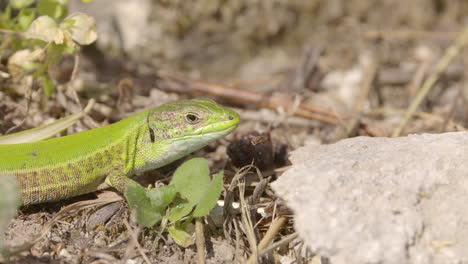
pixel 76 65
pixel 245 97
pixel 200 240
pixel 270 117
pixel 372 130
pixel 283 241
pixel 134 235
pixel 408 34
pixel 449 55
pixel 267 101
pixel 11 32
pixel 272 232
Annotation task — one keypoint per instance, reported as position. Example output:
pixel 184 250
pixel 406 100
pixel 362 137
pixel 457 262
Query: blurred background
pixel 367 58
pixel 353 64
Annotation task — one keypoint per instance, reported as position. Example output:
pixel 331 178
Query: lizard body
pixel 64 167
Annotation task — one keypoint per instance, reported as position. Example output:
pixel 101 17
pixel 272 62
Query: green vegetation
pixel 191 194
pixel 35 36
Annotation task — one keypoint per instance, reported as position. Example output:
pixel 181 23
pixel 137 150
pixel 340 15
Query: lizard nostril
pixel 231 118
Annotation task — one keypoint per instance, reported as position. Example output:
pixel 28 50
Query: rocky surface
pixel 382 200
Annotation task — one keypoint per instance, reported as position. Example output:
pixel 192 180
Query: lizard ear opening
pixel 151 133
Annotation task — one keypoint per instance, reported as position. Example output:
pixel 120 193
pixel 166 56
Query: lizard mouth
pixel 215 133
pixel 220 128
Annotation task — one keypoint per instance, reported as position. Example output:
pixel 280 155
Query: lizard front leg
pixel 119 180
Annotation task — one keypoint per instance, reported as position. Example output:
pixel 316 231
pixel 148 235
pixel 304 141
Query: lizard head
pixel 197 118
pixel 176 129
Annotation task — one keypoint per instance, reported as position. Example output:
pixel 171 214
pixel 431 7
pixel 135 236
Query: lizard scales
pixel 68 166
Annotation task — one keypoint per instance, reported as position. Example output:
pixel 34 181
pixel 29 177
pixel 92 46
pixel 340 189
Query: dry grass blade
pixel 238 253
pixel 449 55
pixel 229 192
pixel 280 243
pixel 46 131
pixel 269 236
pixel 247 223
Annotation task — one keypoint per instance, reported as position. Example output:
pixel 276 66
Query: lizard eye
pixel 192 118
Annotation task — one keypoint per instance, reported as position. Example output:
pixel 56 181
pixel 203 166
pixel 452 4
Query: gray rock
pixel 382 200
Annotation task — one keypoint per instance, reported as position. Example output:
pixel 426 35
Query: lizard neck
pixel 153 155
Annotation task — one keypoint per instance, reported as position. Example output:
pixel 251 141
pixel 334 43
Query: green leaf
pixel 161 197
pixel 70 48
pixel 52 8
pixel 182 208
pixel 210 197
pixel 20 3
pixel 181 237
pixel 25 18
pixel 67 24
pixel 48 85
pixel 147 216
pixel 192 178
pixel 7 13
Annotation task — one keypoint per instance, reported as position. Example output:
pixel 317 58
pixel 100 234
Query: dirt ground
pixel 297 71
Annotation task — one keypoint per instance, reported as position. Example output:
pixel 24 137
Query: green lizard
pixel 68 166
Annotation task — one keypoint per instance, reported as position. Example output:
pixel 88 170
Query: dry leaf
pixel 83 29
pixel 45 28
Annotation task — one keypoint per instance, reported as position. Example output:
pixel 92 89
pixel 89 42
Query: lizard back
pixel 67 166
